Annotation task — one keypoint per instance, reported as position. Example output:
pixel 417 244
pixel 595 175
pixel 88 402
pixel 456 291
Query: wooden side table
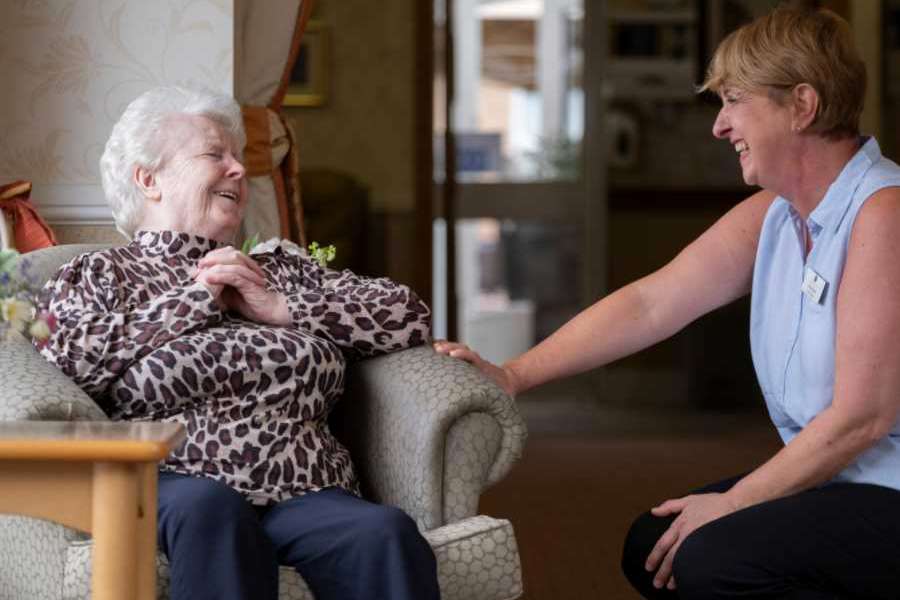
pixel 98 477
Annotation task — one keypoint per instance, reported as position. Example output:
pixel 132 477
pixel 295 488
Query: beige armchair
pixel 428 434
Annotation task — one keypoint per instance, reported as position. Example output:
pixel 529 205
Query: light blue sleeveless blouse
pixel 792 335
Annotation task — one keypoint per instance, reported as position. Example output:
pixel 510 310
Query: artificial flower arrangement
pixel 18 300
pixel 322 254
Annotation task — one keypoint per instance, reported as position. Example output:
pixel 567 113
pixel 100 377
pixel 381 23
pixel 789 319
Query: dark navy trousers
pixel 840 541
pixel 221 547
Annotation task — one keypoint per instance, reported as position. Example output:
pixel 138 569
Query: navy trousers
pixel 221 547
pixel 837 542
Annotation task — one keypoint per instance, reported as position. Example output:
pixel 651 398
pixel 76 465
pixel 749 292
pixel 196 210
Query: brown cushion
pixel 30 231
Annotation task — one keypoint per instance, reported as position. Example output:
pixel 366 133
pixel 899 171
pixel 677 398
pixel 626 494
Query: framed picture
pixel 310 77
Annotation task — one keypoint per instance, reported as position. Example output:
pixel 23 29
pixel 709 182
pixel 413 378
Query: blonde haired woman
pixel 817 247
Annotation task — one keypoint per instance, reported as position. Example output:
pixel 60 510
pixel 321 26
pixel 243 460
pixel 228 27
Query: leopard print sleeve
pixel 104 323
pixel 361 315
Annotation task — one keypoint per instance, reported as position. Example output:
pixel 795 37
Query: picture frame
pixel 310 77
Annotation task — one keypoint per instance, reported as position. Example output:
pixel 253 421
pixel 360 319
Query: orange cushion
pixel 30 231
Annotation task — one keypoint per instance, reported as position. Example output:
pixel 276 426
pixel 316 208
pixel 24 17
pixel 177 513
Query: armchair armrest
pixel 31 389
pixel 34 390
pixel 414 418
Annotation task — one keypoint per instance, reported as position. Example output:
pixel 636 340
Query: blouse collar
pixel 174 243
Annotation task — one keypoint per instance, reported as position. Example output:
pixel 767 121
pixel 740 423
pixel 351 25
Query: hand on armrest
pixel 396 416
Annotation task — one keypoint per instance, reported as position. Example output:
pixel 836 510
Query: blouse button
pixel 257 421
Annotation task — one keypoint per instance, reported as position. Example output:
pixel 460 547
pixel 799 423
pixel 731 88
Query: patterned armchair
pixel 427 433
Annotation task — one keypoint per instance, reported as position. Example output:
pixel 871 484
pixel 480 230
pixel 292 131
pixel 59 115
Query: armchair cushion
pixel 477 559
pixel 35 390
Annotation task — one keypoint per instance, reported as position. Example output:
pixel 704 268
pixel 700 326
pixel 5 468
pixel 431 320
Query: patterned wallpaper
pixel 69 67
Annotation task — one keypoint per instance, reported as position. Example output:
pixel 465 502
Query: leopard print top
pixel 148 343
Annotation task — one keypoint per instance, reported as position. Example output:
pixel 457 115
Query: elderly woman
pixel 817 246
pixel 248 352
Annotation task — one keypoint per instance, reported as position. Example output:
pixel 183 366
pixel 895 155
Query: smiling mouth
pixel 229 195
pixel 741 147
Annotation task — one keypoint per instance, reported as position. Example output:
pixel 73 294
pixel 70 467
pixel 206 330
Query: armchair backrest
pixel 43 264
pixel 30 387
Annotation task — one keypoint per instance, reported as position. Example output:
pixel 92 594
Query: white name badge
pixel 814 285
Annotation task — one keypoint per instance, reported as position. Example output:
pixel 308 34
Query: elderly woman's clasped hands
pixel 238 283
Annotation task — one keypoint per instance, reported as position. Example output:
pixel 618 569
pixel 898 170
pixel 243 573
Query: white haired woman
pixel 248 352
pixel 818 248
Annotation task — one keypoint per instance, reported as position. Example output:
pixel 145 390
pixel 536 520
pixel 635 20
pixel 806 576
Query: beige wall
pixel 366 127
pixel 73 65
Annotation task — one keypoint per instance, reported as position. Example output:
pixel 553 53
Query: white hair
pixel 137 139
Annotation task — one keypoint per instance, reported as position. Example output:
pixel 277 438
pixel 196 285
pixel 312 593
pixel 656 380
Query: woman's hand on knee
pixel 693 512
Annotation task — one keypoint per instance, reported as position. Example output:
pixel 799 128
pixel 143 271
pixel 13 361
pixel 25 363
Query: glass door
pixel 519 171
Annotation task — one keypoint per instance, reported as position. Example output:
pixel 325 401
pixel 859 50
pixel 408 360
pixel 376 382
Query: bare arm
pixel 866 400
pixel 713 270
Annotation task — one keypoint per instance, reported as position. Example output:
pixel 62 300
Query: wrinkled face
pixel 759 130
pixel 202 183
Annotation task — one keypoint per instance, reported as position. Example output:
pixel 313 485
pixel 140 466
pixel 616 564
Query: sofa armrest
pixel 32 389
pixel 404 417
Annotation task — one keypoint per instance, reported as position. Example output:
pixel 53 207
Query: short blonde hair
pixel 790 46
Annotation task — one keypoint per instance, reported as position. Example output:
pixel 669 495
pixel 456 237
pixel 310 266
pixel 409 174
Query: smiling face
pixel 759 129
pixel 201 186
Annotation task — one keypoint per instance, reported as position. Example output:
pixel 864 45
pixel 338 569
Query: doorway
pixel 519 173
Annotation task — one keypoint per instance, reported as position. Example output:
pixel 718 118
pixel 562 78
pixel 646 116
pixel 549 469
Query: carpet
pixel 571 498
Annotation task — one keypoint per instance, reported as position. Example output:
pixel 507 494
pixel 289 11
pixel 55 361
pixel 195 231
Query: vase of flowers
pixel 18 301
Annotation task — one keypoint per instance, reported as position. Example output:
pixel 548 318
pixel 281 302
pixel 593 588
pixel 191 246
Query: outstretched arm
pixel 713 270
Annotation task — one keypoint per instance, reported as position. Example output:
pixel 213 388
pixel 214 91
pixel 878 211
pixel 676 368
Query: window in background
pixel 519 104
pixel 517 194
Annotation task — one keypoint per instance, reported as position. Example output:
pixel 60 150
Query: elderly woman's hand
pixel 501 375
pixel 239 284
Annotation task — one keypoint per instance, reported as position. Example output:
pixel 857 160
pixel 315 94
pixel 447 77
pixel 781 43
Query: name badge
pixel 814 285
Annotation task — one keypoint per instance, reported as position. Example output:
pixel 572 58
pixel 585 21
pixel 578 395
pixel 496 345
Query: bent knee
pixel 703 563
pixel 385 522
pixel 642 536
